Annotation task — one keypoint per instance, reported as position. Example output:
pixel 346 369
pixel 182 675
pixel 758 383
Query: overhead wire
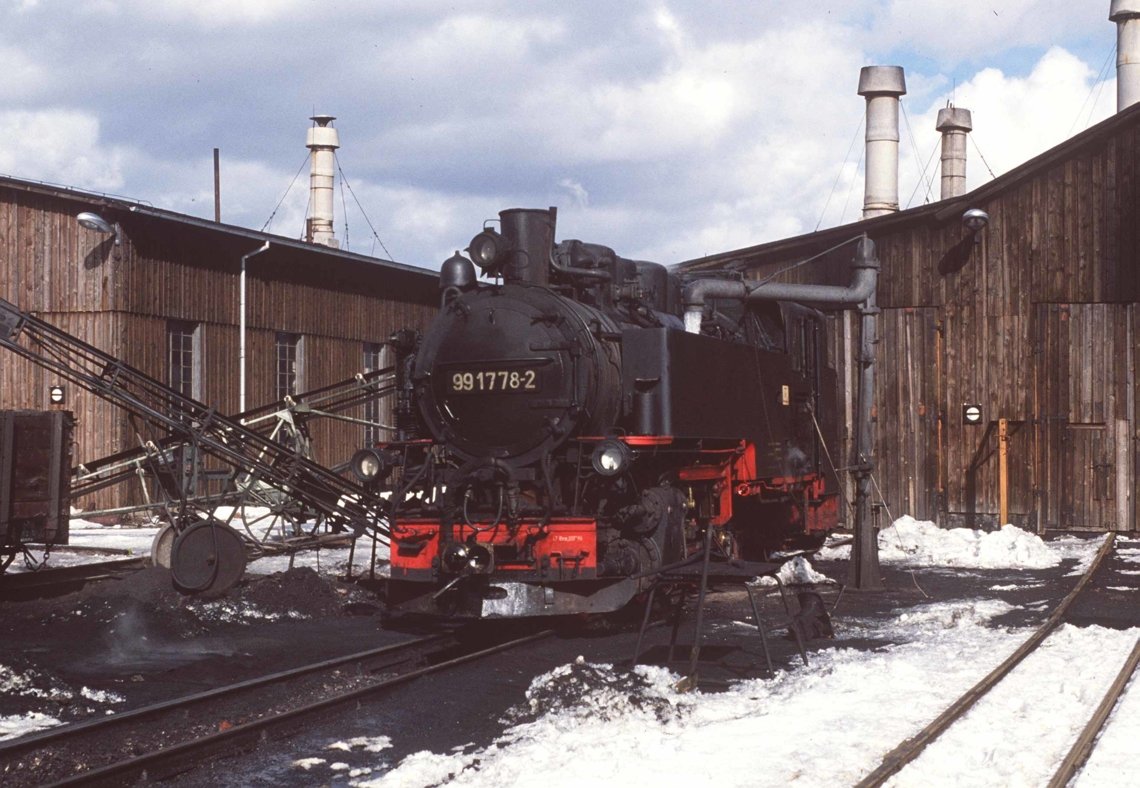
pixel 926 167
pixel 914 149
pixel 851 188
pixel 839 174
pixel 1094 91
pixel 347 185
pixel 286 194
pixel 981 156
pixel 344 212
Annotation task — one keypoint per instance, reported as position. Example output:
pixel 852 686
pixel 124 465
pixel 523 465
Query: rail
pixel 910 749
pixel 178 734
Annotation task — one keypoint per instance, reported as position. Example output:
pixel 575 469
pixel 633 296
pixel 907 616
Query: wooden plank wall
pixel 119 298
pixel 1036 323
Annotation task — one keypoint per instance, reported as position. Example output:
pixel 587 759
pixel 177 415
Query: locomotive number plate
pixel 476 381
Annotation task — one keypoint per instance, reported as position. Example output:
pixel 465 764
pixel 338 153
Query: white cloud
pixel 61 146
pixel 577 192
pixel 20 76
pixel 665 129
pixel 1016 118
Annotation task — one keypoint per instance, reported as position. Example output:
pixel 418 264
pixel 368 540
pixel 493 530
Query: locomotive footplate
pixel 481 596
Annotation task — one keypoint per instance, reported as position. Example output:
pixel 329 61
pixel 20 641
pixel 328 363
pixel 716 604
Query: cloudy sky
pixel 666 129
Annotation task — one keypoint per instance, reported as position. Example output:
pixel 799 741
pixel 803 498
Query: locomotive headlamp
pixel 487 249
pixel 371 465
pixel 611 457
pixel 463 558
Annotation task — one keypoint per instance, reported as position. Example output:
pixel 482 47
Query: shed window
pixel 377 410
pixel 290 365
pixel 184 358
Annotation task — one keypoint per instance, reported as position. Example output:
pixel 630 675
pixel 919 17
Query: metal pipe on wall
pixel 1126 15
pixel 954 123
pixel 861 293
pixel 242 323
pixel 882 86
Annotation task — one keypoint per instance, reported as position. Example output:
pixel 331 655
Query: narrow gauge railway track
pixel 54 582
pixel 910 749
pixel 164 739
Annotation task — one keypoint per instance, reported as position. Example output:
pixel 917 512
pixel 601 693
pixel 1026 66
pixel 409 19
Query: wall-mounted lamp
pixel 93 221
pixel 976 220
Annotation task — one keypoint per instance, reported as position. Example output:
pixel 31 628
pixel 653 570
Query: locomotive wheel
pixel 208 558
pixel 162 546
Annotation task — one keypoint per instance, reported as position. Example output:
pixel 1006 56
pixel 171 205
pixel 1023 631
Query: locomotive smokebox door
pixel 35 476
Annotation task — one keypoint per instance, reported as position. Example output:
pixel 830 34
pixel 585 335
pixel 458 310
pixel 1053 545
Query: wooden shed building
pixel 161 292
pixel 1033 320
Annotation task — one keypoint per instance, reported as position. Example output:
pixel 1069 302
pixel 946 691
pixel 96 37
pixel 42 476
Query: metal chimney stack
pixel 954 123
pixel 1126 15
pixel 322 142
pixel 882 86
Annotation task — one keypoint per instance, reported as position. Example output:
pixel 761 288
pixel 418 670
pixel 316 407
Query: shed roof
pixel 120 209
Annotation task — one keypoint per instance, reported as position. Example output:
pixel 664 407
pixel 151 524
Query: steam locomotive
pixel 562 434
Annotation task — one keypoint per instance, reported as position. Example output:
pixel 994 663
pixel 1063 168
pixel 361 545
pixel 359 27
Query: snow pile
pixel 914 541
pixel 797 571
pixel 583 691
pixel 911 542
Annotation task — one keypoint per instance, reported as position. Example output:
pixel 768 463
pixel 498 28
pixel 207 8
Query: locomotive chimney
pixel 322 140
pixel 1126 15
pixel 882 86
pixel 529 235
pixel 954 123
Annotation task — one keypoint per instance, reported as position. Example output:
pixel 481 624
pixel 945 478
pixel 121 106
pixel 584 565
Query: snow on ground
pixel 14 726
pixel 825 725
pixel 30 683
pixel 987 747
pixel 831 723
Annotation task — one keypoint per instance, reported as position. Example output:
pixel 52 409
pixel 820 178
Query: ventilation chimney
pixel 1126 15
pixel 322 142
pixel 882 86
pixel 954 123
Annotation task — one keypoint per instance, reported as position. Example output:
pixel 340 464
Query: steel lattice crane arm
pixel 293 413
pixel 345 505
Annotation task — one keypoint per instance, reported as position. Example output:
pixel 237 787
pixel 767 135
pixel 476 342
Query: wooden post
pixel 1003 471
pixel 217 186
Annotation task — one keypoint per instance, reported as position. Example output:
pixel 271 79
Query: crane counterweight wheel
pixel 207 559
pixel 162 545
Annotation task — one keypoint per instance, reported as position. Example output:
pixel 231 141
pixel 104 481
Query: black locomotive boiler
pixel 560 435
